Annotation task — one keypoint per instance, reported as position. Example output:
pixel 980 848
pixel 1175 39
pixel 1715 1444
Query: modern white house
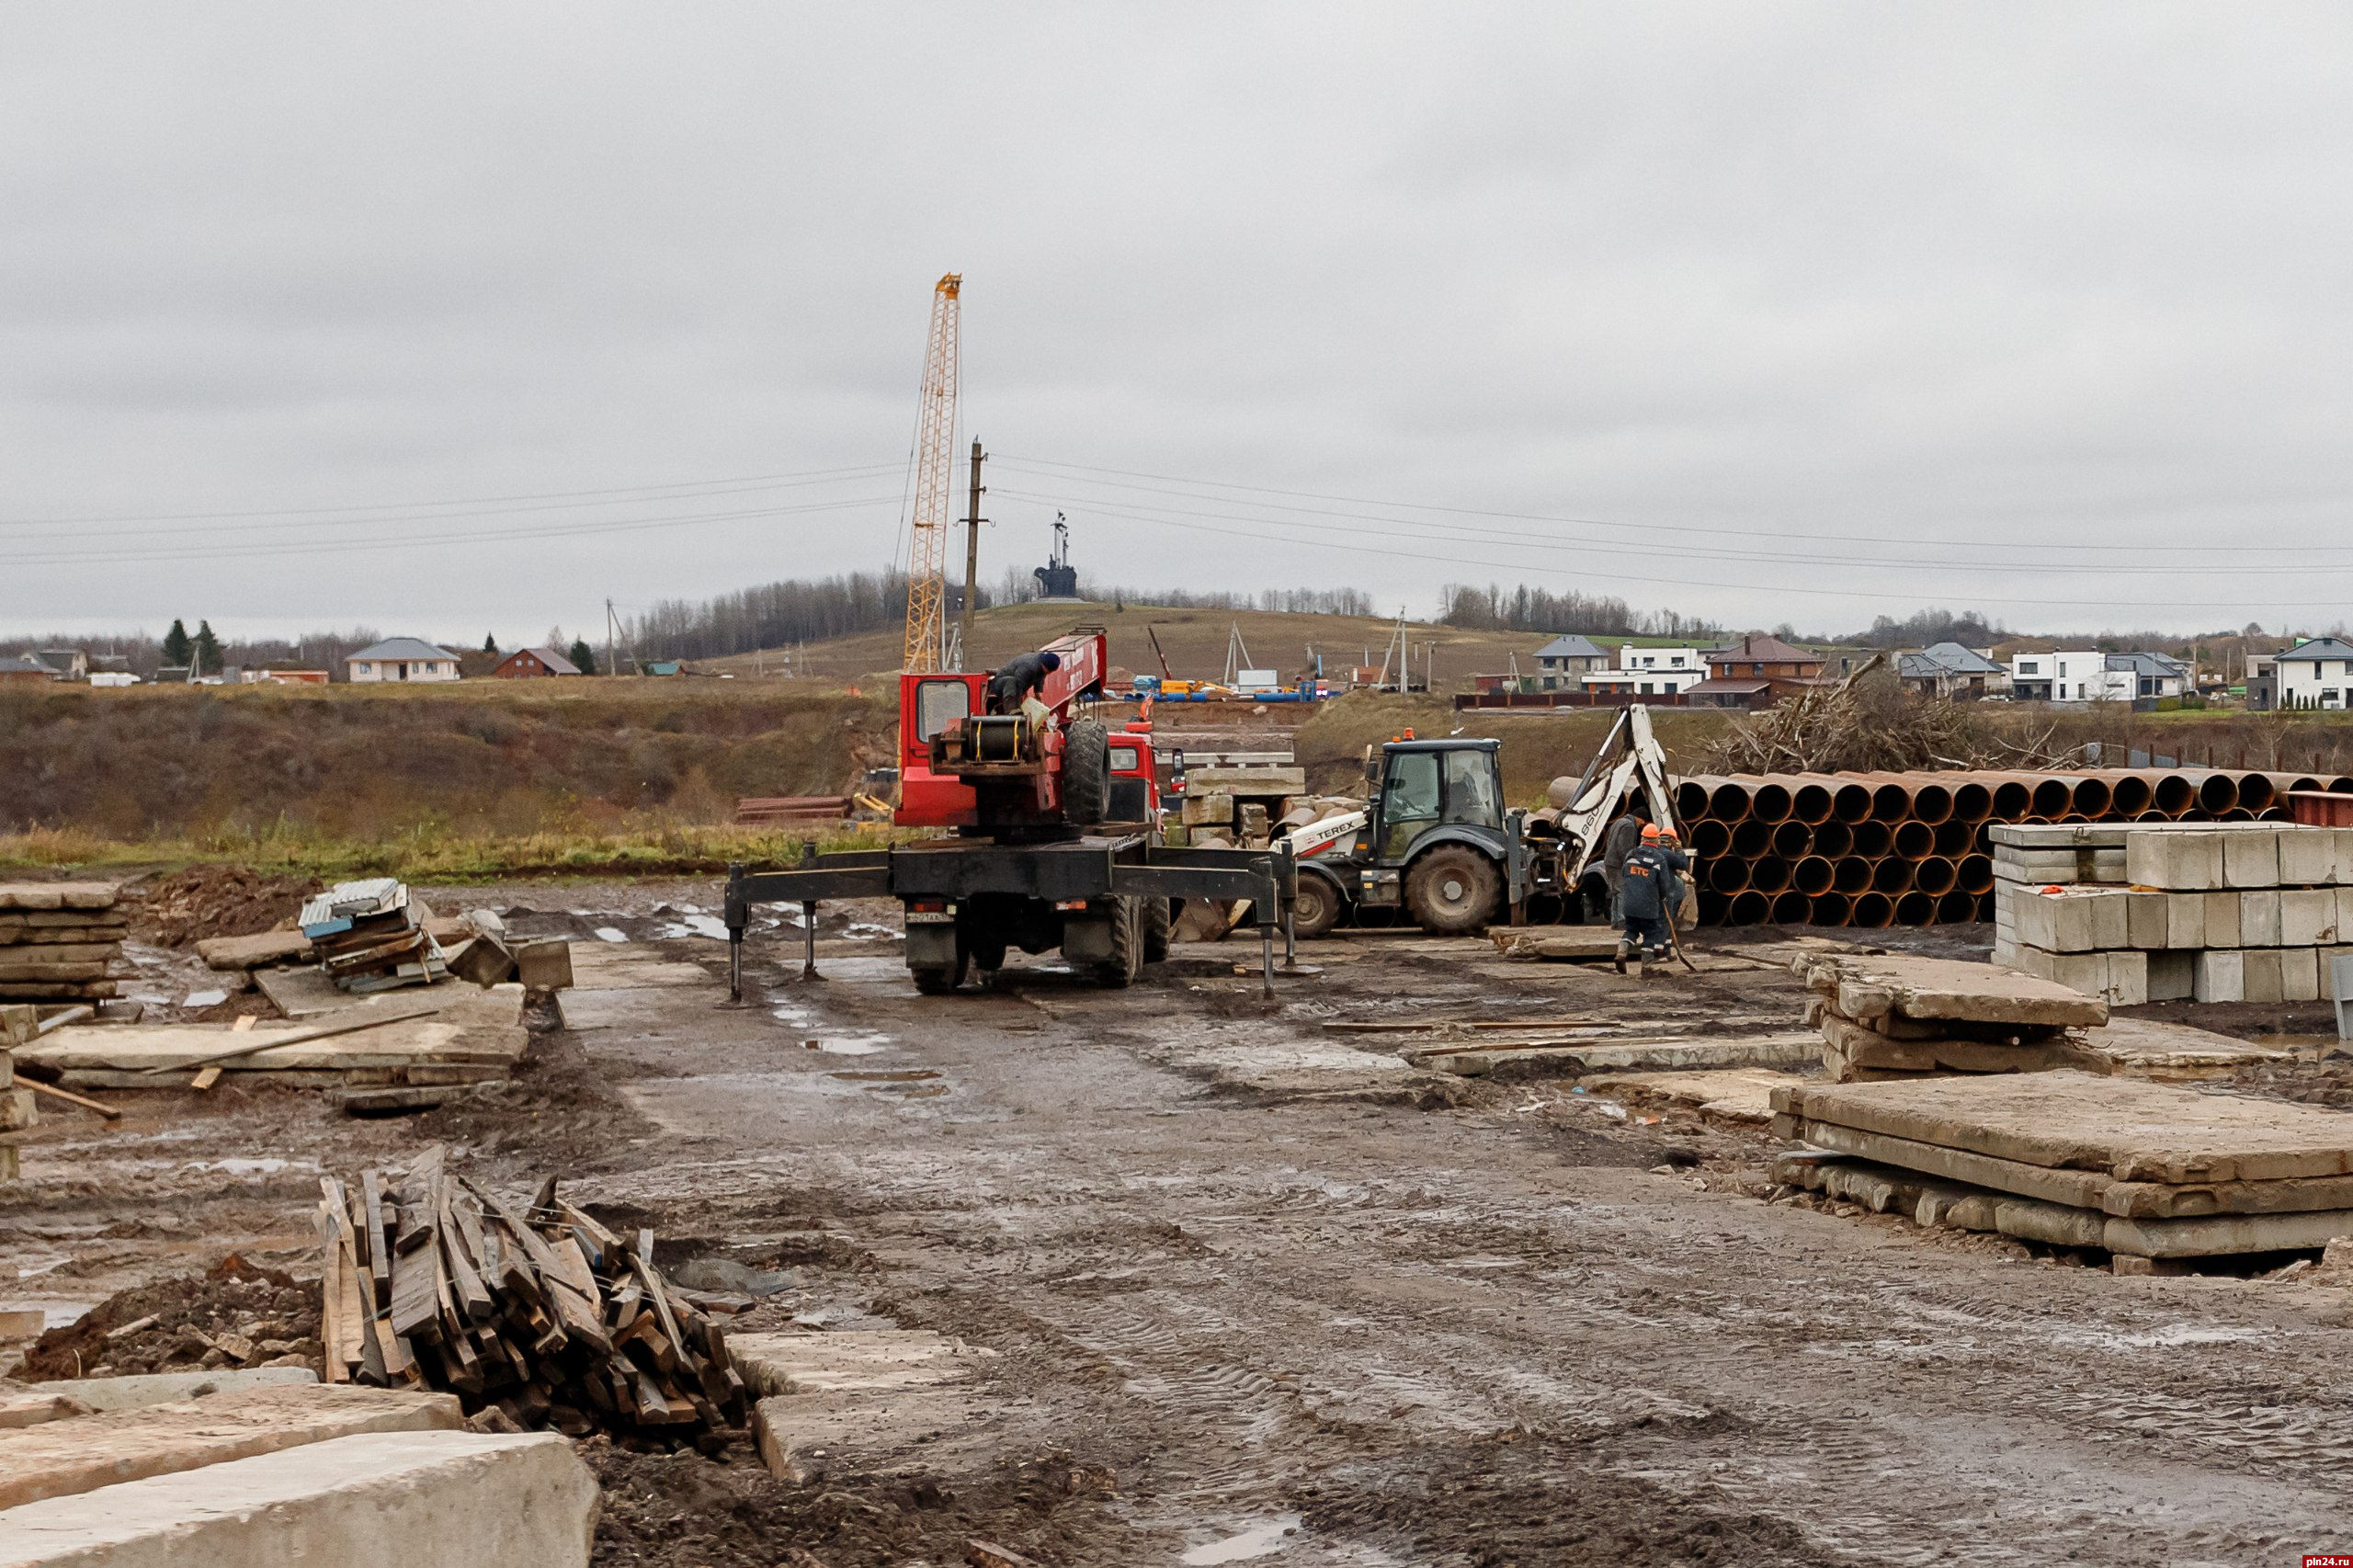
pixel 1650 672
pixel 2316 673
pixel 402 658
pixel 2094 676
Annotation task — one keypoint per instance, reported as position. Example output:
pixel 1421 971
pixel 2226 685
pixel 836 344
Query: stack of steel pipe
pixel 1877 850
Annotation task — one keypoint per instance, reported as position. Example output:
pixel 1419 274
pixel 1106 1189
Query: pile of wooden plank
pixel 1887 1015
pixel 433 1281
pixel 370 936
pixel 2151 1173
pixel 17 1112
pixel 58 940
pixel 793 811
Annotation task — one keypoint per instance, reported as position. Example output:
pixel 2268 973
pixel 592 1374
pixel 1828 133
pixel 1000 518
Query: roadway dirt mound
pixel 217 901
pixel 235 1314
pixel 682 1510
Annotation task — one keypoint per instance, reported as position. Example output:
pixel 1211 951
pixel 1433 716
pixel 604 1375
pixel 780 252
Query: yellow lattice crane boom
pixel 935 463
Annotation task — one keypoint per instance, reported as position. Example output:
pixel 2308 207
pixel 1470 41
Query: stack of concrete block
pixel 1237 807
pixel 17 1112
pixel 58 940
pixel 2134 911
pixel 1887 1017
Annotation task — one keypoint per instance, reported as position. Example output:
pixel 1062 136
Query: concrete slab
pixel 614 966
pixel 852 1360
pixel 162 1388
pixel 62 1458
pixel 1870 986
pixel 2169 1053
pixel 1743 1095
pixel 19 1410
pixel 832 1398
pixel 393 1500
pixel 473 1034
pixel 2131 1129
pixel 306 992
pixel 1797 1047
pixel 229 953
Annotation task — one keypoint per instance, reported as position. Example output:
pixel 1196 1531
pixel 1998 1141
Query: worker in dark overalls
pixel 1653 890
pixel 1019 679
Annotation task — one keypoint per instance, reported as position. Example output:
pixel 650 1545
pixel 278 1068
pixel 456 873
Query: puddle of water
pixel 900 1075
pixel 708 925
pixel 850 1045
pixel 611 934
pixel 1259 1540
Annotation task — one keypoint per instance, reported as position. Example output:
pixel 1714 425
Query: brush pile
pixel 1869 723
pixel 535 1310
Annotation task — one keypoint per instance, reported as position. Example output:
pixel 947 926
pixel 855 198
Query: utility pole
pixel 972 521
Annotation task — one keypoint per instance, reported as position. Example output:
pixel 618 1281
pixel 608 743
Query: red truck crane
pixel 1049 838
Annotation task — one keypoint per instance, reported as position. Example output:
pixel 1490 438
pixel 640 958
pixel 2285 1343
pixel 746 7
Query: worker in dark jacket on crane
pixel 1019 679
pixel 1620 841
pixel 1653 890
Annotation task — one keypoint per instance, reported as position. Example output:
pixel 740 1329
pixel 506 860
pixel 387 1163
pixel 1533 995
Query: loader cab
pixel 1422 788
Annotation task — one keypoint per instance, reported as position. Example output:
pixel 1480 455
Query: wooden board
pixel 2127 1128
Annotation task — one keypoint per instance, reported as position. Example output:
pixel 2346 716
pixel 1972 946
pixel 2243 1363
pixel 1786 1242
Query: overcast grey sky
pixel 1765 311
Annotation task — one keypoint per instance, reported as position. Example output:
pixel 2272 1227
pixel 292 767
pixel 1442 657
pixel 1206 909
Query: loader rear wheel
pixel 1452 890
pixel 1157 919
pixel 1086 772
pixel 1316 909
pixel 1119 970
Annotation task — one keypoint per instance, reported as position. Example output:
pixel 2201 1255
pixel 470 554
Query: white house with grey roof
pixel 402 658
pixel 2094 676
pixel 1563 662
pixel 2316 673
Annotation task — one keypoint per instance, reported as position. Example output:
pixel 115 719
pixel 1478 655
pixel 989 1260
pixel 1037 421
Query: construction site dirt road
pixel 1260 1290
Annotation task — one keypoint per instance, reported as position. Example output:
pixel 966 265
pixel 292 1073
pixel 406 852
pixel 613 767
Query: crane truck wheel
pixel 1120 970
pixel 939 980
pixel 1451 890
pixel 1086 772
pixel 1316 909
pixel 1158 917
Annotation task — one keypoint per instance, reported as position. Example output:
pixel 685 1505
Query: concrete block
pixel 2144 919
pixel 2222 920
pixel 19 1109
pixel 2259 917
pixel 2087 972
pixel 2328 960
pixel 2173 975
pixel 544 966
pixel 2300 975
pixel 2177 859
pixel 2220 975
pixel 63 1458
pixel 388 1500
pixel 2307 857
pixel 18 1021
pixel 2251 858
pixel 1204 809
pixel 2058 836
pixel 2265 981
pixel 161 1388
pixel 2343 876
pixel 2185 920
pixel 2076 921
pixel 2307 917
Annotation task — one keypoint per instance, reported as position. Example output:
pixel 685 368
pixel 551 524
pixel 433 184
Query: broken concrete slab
pixel 61 1458
pixel 255 953
pixel 616 966
pixel 390 1500
pixel 162 1388
pixel 830 1396
pixel 2172 1054
pixel 1731 1095
pixel 1868 986
pixel 2224 1234
pixel 470 1036
pixel 1575 944
pixel 851 1360
pixel 2128 1128
pixel 34 1409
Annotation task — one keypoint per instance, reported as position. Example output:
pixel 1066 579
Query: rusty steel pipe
pixel 2237 814
pixel 1727 799
pixel 1931 797
pixel 1812 876
pixel 1891 802
pixel 2054 796
pixel 1710 839
pixel 1751 838
pixel 1871 839
pixel 1850 874
pixel 1768 873
pixel 1892 875
pixel 1792 839
pixel 1690 799
pixel 1810 798
pixel 2257 791
pixel 1712 905
pixel 1832 909
pixel 1915 909
pixel 1912 840
pixel 1872 911
pixel 2130 793
pixel 1850 799
pixel 2172 794
pixel 2013 797
pixel 1769 799
pixel 1728 873
pixel 1935 876
pixel 1955 836
pixel 1793 909
pixel 1973 873
pixel 1832 839
pixel 1751 908
pixel 2092 795
pixel 1972 800
pixel 2217 792
pixel 1956 909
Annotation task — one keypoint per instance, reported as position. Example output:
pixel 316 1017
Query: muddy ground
pixel 1259 1291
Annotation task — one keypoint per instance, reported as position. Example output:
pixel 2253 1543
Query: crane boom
pixel 925 647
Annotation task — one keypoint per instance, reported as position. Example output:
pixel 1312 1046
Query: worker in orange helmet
pixel 1652 887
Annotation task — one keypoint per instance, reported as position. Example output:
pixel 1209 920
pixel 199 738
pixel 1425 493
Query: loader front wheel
pixel 1453 891
pixel 1316 909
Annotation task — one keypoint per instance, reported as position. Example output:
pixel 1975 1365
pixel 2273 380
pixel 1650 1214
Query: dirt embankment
pixel 497 757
